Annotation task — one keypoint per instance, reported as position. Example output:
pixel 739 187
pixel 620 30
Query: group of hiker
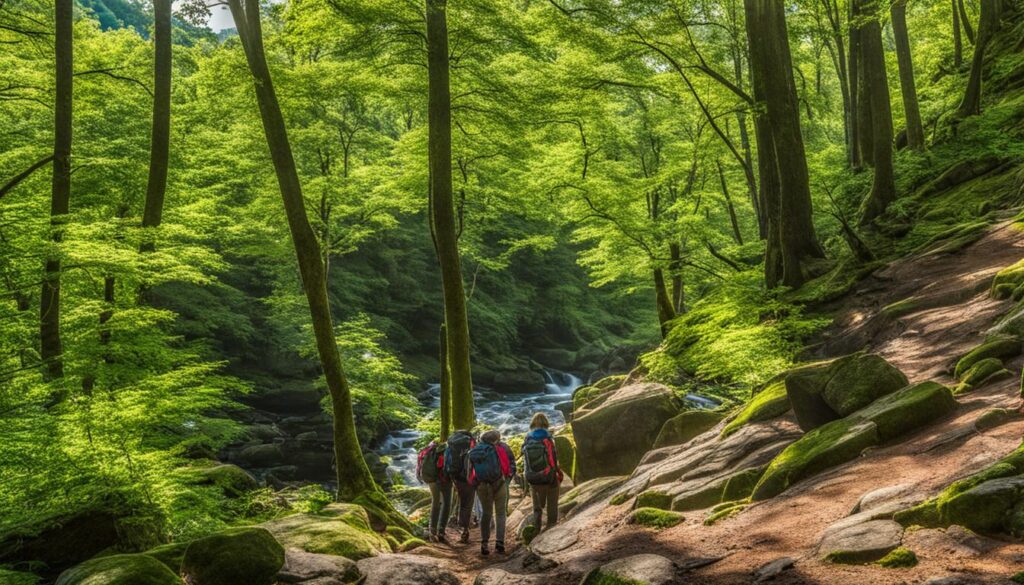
pixel 483 470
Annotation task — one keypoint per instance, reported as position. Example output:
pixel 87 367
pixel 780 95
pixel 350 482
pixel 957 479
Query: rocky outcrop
pixel 239 555
pixel 861 543
pixel 614 434
pixel 685 426
pixel 404 569
pixel 829 391
pixel 339 529
pixel 120 570
pixel 642 569
pixel 303 567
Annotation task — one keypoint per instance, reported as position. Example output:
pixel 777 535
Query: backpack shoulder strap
pixel 552 457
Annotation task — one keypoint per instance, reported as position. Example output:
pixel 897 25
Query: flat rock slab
pixel 643 569
pixel 303 567
pixel 904 492
pixel 861 543
pixel 403 569
pixel 503 577
pixel 771 570
pixel 955 541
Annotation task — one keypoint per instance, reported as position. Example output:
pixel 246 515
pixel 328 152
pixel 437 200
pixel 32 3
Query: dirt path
pixel 923 344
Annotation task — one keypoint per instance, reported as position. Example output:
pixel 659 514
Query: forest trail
pixel 923 344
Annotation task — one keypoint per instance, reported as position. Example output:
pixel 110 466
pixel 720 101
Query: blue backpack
pixel 484 464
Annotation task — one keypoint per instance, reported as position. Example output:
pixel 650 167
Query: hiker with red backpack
pixel 430 470
pixel 492 467
pixel 456 467
pixel 540 466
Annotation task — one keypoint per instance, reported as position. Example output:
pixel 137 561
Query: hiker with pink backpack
pixel 430 470
pixel 492 465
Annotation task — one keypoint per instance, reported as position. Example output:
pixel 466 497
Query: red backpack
pixel 430 463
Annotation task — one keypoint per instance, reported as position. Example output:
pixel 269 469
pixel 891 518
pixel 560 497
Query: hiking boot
pixel 499 547
pixel 464 539
pixel 484 551
pixel 442 538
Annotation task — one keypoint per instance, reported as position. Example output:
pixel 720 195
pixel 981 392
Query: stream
pixel 509 413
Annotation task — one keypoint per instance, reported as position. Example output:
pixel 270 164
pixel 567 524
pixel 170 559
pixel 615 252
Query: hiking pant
pixel 545 496
pixel 494 498
pixel 440 505
pixel 467 493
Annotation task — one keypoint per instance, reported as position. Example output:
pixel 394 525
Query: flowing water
pixel 509 413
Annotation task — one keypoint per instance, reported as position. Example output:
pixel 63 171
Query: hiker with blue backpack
pixel 430 470
pixel 456 467
pixel 492 467
pixel 540 466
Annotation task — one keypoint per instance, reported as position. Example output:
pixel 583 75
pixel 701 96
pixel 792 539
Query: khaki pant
pixel 545 497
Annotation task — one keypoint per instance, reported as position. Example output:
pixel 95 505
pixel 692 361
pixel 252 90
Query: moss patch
pixel 1008 278
pixel 654 499
pixel 770 403
pixel 982 372
pixel 899 558
pixel 726 510
pixel 169 554
pixel 655 518
pixel 134 569
pixel 683 427
pixel 586 394
pixel 997 348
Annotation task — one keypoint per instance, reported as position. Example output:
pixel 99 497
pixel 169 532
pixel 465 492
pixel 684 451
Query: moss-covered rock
pixel 133 569
pixel 1011 276
pixel 654 499
pixel 995 417
pixel 248 555
pixel 655 518
pixel 1002 348
pixel 843 440
pixel 339 529
pixel 770 403
pixel 231 479
pixel 899 558
pixel 585 394
pixel 613 435
pixel 804 388
pixel 565 446
pixel 642 569
pixel 589 491
pixel 728 488
pixel 685 426
pixel 982 372
pixel 169 554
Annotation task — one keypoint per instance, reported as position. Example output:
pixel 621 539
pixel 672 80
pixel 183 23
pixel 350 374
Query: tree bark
pixel 446 387
pixel 908 88
pixel 675 266
pixel 965 21
pixel 353 475
pixel 853 72
pixel 51 345
pixel 666 312
pixel 792 238
pixel 958 44
pixel 988 25
pixel 159 148
pixel 737 235
pixel 883 186
pixel 443 215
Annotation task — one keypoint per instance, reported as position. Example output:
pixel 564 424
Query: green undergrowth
pixel 655 518
pixel 899 558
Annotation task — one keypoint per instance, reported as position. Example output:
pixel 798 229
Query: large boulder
pixel 265 455
pixel 685 426
pixel 303 567
pixel 642 569
pixel 614 435
pixel 821 393
pixel 339 529
pixel 861 543
pixel 771 402
pixel 404 569
pixel 843 440
pixel 247 555
pixel 120 570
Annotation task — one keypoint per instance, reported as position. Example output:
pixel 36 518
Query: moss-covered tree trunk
pixel 666 312
pixel 988 25
pixel 439 120
pixel 908 87
pixel 792 238
pixel 353 475
pixel 446 386
pixel 159 146
pixel 883 185
pixel 51 345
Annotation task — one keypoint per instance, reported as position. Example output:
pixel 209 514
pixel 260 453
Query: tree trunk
pixel 161 131
pixel 443 215
pixel 665 310
pixel 51 345
pixel 774 86
pixel 856 160
pixel 988 25
pixel 865 114
pixel 748 157
pixel 883 187
pixel 908 88
pixel 737 235
pixel 446 387
pixel 353 475
pixel 965 21
pixel 675 266
pixel 958 44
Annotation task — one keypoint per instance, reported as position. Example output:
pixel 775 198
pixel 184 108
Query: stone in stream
pixel 405 569
pixel 861 543
pixel 642 569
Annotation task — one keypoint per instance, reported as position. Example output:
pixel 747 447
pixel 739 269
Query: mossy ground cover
pixel 1000 348
pixel 899 558
pixel 982 372
pixel 655 518
pixel 725 510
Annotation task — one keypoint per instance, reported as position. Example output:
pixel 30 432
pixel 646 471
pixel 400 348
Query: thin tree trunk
pixel 161 130
pixel 908 88
pixel 446 387
pixel 958 44
pixel 965 21
pixel 51 345
pixel 883 187
pixel 774 86
pixel 748 157
pixel 737 235
pixel 675 266
pixel 988 25
pixel 353 475
pixel 443 215
pixel 856 160
pixel 665 310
